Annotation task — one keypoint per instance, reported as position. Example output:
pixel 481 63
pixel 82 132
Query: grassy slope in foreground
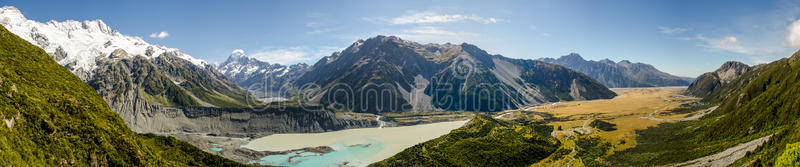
pixel 482 142
pixel 766 104
pixel 50 117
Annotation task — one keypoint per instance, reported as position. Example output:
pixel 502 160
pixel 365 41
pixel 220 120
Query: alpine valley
pixel 156 89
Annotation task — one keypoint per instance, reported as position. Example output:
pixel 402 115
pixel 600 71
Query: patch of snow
pixel 82 41
pixel 285 70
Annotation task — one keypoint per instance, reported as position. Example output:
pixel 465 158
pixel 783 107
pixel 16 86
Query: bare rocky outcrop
pixel 713 83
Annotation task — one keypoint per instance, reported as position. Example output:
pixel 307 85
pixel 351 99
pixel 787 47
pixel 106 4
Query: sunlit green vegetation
pixel 482 142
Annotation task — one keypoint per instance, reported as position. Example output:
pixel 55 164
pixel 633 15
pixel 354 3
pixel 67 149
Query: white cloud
pixel 313 24
pixel 293 55
pixel 436 34
pixel 239 51
pixel 428 30
pixel 159 35
pixel 320 23
pixel 728 43
pixel 317 19
pixel 433 17
pixel 671 31
pixel 757 54
pixel 793 35
pixel 544 34
pixel 321 30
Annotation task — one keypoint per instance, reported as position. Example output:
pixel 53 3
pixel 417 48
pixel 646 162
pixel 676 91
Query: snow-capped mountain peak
pixel 247 71
pixel 77 44
pixel 238 62
pixel 11 14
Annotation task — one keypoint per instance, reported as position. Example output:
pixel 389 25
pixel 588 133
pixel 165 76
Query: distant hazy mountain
pixel 385 74
pixel 714 82
pixel 261 78
pixel 621 74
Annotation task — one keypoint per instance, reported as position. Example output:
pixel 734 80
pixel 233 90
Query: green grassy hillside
pixel 790 157
pixel 51 117
pixel 482 142
pixel 761 102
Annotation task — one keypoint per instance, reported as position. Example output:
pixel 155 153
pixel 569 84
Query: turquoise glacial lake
pixel 352 147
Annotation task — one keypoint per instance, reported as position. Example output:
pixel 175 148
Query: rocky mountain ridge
pixel 261 78
pixel 621 74
pixel 713 83
pixel 429 77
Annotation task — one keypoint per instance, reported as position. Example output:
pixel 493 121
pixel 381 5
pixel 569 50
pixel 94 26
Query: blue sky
pixel 681 37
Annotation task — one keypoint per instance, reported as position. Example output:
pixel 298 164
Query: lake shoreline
pixel 359 146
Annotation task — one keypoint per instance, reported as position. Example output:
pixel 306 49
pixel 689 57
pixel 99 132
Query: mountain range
pixel 138 79
pixel 79 93
pixel 129 73
pixel 621 74
pixel 157 89
pixel 52 118
pixel 163 90
pixel 388 74
pixel 758 103
pixel 261 78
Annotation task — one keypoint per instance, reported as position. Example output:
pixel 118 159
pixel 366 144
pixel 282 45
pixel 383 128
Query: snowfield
pixel 77 45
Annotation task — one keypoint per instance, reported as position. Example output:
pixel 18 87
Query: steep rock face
pixel 713 83
pixel 261 79
pixel 388 74
pixel 245 122
pixel 621 74
pixel 203 82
